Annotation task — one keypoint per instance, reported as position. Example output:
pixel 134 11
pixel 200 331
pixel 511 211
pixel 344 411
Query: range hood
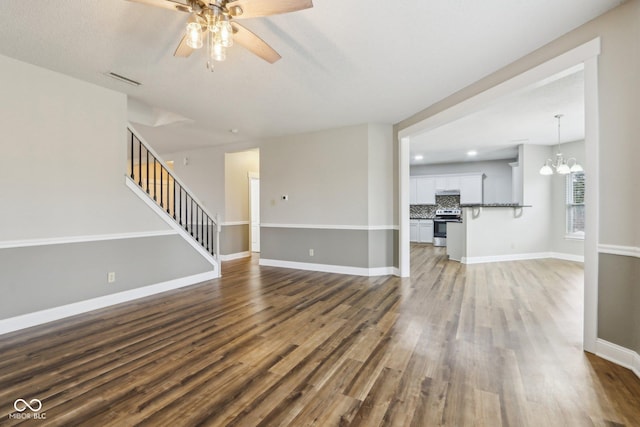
pixel 448 193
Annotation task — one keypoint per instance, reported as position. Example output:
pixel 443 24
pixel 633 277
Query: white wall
pixel 497 181
pixel 381 178
pixel 505 231
pixel 64 158
pixel 324 174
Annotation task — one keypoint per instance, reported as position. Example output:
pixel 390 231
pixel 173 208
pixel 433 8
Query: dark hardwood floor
pixel 479 345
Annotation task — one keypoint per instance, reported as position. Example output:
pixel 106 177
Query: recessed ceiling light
pixel 418 157
pixel 234 130
pixel 472 153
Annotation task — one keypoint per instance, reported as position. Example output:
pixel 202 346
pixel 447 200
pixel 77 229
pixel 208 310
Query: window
pixel 575 205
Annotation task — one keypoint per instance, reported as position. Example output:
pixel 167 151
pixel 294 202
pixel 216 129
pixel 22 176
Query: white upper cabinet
pixel 471 189
pixel 447 182
pixel 425 190
pixel 413 191
pixel 453 183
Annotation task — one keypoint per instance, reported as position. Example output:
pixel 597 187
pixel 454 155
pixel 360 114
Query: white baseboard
pixel 49 315
pixel 238 255
pixel 619 355
pixel 328 268
pixel 633 251
pixel 567 257
pixel 521 257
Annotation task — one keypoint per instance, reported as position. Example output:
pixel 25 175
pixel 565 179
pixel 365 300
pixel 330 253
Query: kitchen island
pixel 495 232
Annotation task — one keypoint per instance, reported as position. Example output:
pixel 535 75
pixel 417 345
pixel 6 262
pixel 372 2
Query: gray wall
pixel 619 300
pixel 234 239
pixel 39 277
pixel 619 127
pixel 351 248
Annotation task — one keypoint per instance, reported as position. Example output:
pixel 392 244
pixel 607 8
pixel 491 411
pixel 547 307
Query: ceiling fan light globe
pixel 218 53
pixel 226 34
pixel 194 35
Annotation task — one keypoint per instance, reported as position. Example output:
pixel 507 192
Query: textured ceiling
pixel 343 63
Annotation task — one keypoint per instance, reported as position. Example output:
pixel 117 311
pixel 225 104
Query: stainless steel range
pixel 443 216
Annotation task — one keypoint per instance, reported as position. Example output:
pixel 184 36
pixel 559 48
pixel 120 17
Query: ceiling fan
pixel 212 22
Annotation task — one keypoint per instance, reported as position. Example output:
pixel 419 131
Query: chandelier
pixel 561 165
pixel 212 23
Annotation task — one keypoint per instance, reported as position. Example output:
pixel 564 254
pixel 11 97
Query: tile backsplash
pixel 429 211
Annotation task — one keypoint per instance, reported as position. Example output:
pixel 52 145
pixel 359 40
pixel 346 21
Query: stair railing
pixel 157 180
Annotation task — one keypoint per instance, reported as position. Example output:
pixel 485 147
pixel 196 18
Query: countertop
pixel 495 205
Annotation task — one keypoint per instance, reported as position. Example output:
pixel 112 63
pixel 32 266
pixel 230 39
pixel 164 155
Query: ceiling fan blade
pixel 183 50
pixel 240 9
pixel 255 44
pixel 165 4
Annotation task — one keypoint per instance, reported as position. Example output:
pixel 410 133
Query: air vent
pixel 123 79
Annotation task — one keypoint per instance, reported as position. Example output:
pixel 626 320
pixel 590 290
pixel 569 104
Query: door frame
pixel 585 55
pixel 252 176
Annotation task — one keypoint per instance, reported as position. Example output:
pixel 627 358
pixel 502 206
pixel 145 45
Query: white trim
pixel 567 257
pixel 592 196
pixel 327 268
pixel 232 223
pixel 404 199
pixel 82 239
pixel 633 251
pixel 574 236
pixel 237 255
pixel 619 355
pixel 49 315
pixel 162 214
pixel 521 257
pixel 331 227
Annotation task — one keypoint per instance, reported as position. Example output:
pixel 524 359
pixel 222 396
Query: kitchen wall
pixel 497 181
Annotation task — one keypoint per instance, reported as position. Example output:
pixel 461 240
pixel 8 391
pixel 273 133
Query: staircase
pixel 154 181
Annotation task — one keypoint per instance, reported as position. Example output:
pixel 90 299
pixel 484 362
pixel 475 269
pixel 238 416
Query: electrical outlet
pixel 311 253
pixel 111 277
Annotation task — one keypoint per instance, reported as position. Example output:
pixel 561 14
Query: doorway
pixel 586 54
